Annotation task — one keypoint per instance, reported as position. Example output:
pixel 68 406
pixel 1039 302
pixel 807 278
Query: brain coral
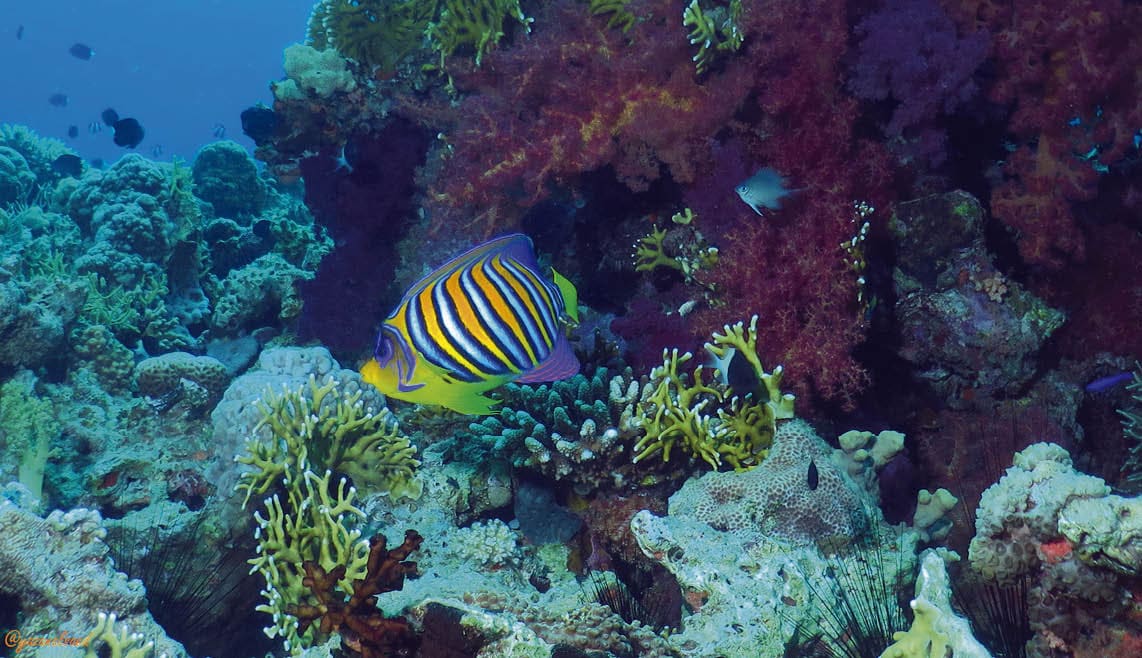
pixel 775 498
pixel 161 375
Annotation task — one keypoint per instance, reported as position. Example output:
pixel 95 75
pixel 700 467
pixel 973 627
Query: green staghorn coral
pixel 376 33
pixel 714 30
pixel 476 24
pixel 316 522
pixel 320 426
pixel 705 417
pixel 680 247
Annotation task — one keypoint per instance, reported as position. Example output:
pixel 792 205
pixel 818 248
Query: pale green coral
pixel 705 417
pixel 620 15
pixel 27 427
pixel 377 33
pixel 937 631
pixel 1131 472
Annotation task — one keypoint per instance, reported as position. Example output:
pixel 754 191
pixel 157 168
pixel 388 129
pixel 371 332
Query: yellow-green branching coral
pixel 373 32
pixel 315 521
pixel 476 24
pixel 326 428
pixel 714 29
pixel 620 15
pixel 680 247
pixel 116 640
pixel 703 415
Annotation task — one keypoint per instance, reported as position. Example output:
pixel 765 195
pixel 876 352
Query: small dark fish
pixel 109 116
pixel 58 100
pixel 813 477
pixel 73 131
pixel 157 151
pixel 20 33
pixel 1110 381
pixel 68 165
pixel 81 51
pixel 97 163
pixel 741 377
pixel 128 133
pixel 95 127
pixel 219 131
pixel 259 123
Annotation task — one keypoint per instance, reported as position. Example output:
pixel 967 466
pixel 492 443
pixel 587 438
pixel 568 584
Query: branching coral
pixel 322 427
pixel 621 16
pixel 476 24
pixel 713 30
pixel 364 629
pixel 707 418
pixel 575 430
pixel 311 518
pixel 117 640
pixel 686 251
pixel 376 33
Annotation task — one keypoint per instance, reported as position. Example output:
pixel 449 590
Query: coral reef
pixel 28 427
pixel 1024 526
pixel 58 570
pixel 964 325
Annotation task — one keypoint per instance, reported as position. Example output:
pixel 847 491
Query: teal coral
pixel 575 430
pixel 714 30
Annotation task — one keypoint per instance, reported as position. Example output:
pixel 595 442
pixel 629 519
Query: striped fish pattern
pixel 489 314
pixel 484 318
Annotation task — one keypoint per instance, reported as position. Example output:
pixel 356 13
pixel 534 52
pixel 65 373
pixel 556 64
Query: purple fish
pixel 1110 381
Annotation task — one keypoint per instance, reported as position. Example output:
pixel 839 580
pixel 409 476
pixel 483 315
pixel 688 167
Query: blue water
pixel 178 66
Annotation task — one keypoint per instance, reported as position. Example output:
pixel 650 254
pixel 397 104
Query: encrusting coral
pixel 707 418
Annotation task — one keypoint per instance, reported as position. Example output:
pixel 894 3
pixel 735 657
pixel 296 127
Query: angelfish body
pixel 485 318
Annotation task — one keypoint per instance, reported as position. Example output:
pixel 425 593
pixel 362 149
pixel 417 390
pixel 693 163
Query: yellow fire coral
pixel 310 517
pixel 373 32
pixel 704 416
pixel 321 426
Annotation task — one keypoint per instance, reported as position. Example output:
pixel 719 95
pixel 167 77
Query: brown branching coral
pixel 364 629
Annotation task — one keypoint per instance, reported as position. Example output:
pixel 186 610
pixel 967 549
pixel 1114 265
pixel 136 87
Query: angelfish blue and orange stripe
pixel 483 319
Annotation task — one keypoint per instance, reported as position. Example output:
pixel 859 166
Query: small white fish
pixel 764 188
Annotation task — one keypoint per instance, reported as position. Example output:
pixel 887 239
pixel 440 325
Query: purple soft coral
pixel 911 52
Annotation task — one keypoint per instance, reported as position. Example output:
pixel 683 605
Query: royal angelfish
pixel 485 318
